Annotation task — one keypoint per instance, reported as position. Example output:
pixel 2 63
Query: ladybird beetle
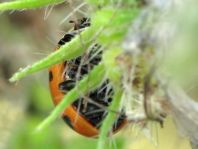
pixel 84 116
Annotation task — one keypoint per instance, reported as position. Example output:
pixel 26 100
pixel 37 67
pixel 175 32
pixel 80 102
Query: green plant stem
pixel 110 119
pixel 114 74
pixel 112 69
pixel 27 4
pixel 87 84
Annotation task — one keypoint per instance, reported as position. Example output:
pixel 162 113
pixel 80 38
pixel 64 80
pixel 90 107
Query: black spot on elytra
pixel 85 22
pixel 50 76
pixel 67 85
pixel 68 121
pixel 68 37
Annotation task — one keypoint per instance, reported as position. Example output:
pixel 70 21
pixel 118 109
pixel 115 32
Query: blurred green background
pixel 27 36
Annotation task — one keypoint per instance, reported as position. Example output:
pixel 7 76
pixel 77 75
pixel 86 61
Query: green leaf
pixel 27 4
pixel 66 52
